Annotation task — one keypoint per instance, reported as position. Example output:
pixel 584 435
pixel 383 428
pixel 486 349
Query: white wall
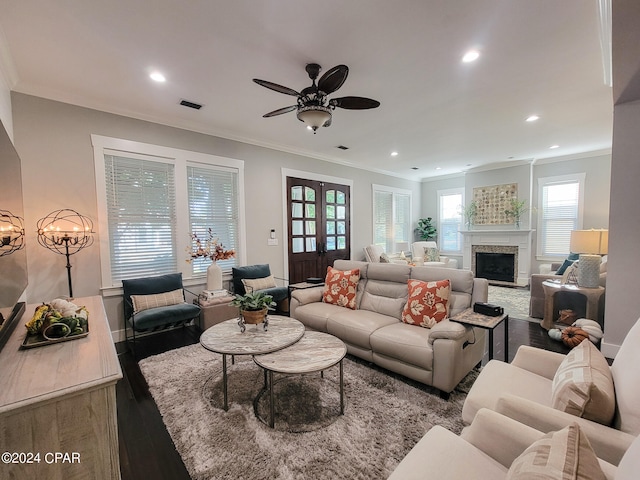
pixel 53 140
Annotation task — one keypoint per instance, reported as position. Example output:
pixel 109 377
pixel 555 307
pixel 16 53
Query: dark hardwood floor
pixel 146 449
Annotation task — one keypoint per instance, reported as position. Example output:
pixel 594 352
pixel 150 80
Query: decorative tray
pixel 33 341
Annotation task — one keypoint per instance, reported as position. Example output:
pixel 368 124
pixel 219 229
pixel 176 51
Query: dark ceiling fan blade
pixel 333 79
pixel 354 103
pixel 276 87
pixel 280 111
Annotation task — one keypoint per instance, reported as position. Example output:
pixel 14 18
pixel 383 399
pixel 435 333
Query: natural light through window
pixel 450 219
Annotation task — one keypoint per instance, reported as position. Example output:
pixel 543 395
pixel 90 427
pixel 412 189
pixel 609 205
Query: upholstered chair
pixel 549 391
pixel 254 278
pixel 420 258
pixel 376 254
pixel 495 446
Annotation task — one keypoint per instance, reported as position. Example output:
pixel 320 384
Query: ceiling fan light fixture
pixel 314 116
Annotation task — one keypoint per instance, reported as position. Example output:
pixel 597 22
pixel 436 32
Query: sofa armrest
pixel 500 437
pixel 417 260
pixel 538 361
pixel 608 443
pixel 307 295
pixel 480 291
pixel 447 330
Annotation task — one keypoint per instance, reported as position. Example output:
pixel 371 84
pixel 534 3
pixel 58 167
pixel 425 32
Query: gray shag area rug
pixel 385 416
pixel 515 301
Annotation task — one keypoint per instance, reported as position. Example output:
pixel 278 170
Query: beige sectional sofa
pixel 440 356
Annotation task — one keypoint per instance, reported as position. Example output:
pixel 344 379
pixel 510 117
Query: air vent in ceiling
pixel 187 103
pixel 342 147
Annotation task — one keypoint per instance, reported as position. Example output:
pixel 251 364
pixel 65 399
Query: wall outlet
pixel 272 241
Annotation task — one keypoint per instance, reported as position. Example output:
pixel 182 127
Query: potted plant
pixel 470 212
pixel 254 306
pixel 518 208
pixel 426 230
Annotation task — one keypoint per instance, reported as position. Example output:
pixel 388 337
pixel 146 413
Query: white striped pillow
pixel 255 284
pixel 145 302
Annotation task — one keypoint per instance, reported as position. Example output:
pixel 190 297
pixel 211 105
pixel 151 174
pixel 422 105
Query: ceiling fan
pixel 313 107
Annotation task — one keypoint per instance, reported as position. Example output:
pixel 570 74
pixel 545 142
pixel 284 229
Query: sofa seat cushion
pixel 314 315
pixel 431 458
pixel 499 378
pixel 356 326
pixel 163 316
pixel 407 343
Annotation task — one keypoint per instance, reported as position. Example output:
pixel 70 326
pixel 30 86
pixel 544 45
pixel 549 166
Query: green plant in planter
pixel 518 208
pixel 254 301
pixel 470 212
pixel 426 230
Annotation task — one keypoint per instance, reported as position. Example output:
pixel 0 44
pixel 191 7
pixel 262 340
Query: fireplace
pixel 495 266
pixel 495 263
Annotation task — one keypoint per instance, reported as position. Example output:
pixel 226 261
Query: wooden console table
pixel 59 401
pixel 550 288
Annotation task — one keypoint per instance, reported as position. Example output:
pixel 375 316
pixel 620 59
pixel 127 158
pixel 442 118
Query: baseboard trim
pixel 609 350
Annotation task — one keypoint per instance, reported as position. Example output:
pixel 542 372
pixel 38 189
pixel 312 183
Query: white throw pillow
pixel 145 302
pixel 255 284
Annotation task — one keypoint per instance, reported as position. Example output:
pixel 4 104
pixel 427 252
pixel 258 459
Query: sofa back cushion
pixel 386 289
pixel 626 378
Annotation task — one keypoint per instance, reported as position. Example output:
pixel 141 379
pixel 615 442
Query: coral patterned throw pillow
pixel 428 303
pixel 340 287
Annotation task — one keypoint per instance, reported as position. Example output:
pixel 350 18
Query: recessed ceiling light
pixel 394 154
pixel 415 168
pixel 471 56
pixel 554 146
pixel 309 127
pixel 438 168
pixel 532 118
pixel 157 77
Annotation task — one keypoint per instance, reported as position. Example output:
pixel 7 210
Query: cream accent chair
pixel 417 256
pixel 522 390
pixel 486 450
pixel 372 254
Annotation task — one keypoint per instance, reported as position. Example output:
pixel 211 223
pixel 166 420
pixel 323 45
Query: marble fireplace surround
pixel 512 241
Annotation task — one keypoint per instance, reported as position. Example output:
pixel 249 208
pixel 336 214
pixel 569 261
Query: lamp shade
pixel 314 116
pixel 595 242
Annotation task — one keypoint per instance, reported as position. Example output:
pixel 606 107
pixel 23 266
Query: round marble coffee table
pixel 227 339
pixel 314 352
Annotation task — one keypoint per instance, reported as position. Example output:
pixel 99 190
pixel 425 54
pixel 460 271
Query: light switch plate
pixel 272 241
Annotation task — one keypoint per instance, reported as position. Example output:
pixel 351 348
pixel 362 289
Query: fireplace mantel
pixel 520 238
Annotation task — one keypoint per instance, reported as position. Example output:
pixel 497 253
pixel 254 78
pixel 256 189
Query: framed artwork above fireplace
pixel 492 201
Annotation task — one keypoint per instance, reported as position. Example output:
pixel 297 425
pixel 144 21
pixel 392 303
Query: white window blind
pixel 213 203
pixel 391 218
pixel 560 204
pixel 450 219
pixel 141 216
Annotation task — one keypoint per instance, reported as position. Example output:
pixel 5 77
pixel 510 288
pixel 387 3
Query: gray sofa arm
pixel 538 361
pixel 608 443
pixel 500 437
pixel 447 330
pixel 480 291
pixel 303 296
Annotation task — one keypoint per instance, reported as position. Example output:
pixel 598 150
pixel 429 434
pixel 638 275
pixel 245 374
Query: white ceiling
pixel 541 57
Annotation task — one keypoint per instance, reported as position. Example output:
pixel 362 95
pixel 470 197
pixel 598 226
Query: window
pixel 151 198
pixel 391 218
pixel 450 219
pixel 560 201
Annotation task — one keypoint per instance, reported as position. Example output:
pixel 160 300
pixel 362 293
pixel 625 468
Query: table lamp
pixel 591 245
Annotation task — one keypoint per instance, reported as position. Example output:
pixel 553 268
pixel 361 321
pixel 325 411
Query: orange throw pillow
pixel 340 287
pixel 428 303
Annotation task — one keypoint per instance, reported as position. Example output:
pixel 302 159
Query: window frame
pixel 394 191
pixel 543 182
pixel 180 159
pixel 447 192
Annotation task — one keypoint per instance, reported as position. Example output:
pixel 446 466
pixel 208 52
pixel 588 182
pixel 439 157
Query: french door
pixel 319 226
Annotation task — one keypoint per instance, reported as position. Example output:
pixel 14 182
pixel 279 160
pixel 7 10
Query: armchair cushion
pixel 583 385
pixel 149 286
pixel 164 316
pixel 255 284
pixel 145 302
pixel 250 272
pixel 558 455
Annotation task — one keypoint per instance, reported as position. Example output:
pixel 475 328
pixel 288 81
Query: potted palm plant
pixel 253 306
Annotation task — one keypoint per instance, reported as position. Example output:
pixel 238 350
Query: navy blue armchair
pixel 155 303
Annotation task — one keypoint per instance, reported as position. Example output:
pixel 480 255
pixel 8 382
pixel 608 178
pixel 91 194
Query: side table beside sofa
pixel 440 356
